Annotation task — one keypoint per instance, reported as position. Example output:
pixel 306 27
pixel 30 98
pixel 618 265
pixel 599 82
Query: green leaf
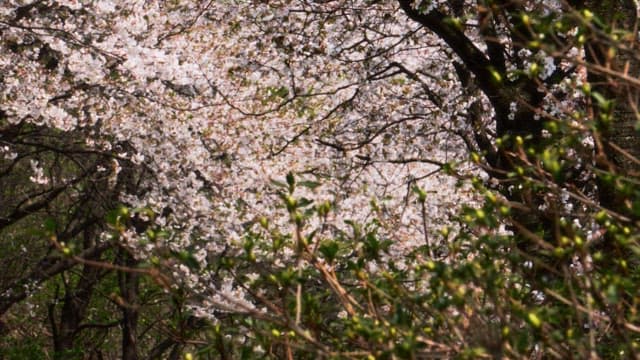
pixel 329 249
pixel 291 181
pixel 357 229
pixel 603 103
pixel 50 225
pixel 112 217
pixel 281 92
pixel 188 259
pixel 302 202
pixel 422 195
pixel 309 184
pixel 278 183
pixel 401 316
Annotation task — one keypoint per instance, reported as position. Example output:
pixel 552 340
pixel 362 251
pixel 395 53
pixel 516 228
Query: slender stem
pixel 300 248
pixel 424 229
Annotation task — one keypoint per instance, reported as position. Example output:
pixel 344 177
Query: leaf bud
pixel 491 197
pixel 445 231
pixel 534 70
pixel 504 210
pixel 601 217
pixel 123 210
pixel 430 265
pixel 578 241
pixel 324 208
pixel 505 331
pixel 422 195
pixel 582 39
pixel 623 264
pixel 495 75
pixel 534 320
pixel 291 203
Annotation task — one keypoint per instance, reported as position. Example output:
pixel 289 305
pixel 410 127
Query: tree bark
pixel 129 289
pixel 74 308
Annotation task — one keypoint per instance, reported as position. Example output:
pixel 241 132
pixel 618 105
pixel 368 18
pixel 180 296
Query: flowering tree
pixel 286 177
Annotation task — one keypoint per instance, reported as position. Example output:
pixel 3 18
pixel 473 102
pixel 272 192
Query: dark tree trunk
pixel 76 302
pixel 129 289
